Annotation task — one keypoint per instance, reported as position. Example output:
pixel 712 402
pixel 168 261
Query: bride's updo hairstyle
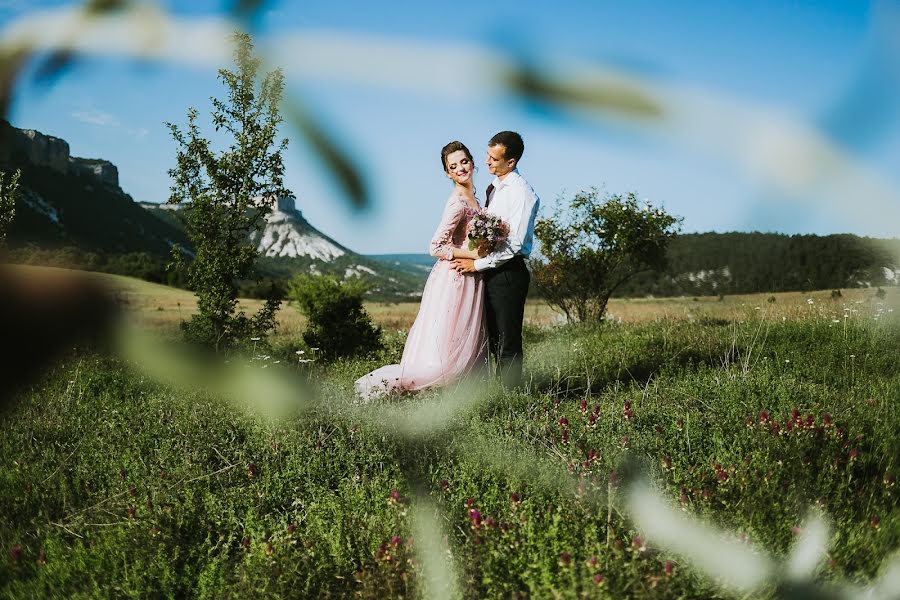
pixel 452 147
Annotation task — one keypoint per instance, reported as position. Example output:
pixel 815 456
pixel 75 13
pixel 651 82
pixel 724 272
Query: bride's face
pixel 459 167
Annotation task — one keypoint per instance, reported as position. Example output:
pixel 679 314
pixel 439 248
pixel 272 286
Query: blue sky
pixel 816 63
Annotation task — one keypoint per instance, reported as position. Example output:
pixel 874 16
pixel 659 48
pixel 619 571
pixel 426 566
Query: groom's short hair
pixel 515 147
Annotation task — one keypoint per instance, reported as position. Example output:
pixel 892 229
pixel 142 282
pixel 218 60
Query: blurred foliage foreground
pixel 115 485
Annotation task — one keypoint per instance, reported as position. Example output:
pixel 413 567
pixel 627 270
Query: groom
pixel 506 277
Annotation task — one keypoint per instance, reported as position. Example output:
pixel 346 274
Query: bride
pixel 448 339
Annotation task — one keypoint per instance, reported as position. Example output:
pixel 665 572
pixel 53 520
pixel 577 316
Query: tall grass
pixel 114 485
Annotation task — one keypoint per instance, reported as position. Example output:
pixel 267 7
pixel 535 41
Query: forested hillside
pixel 731 263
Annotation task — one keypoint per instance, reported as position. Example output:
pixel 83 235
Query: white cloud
pixel 105 119
pixel 96 117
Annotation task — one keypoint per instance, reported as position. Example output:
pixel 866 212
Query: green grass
pixel 115 486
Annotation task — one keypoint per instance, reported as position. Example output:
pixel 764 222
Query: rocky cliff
pixel 28 147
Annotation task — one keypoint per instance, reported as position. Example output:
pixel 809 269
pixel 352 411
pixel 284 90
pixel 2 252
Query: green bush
pixel 338 325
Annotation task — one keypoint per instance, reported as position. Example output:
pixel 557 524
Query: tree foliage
pixel 8 189
pixel 227 195
pixel 337 323
pixel 592 245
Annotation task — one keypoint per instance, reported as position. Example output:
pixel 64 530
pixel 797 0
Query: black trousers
pixel 505 290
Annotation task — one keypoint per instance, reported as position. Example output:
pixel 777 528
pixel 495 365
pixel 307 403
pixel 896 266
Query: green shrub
pixel 338 325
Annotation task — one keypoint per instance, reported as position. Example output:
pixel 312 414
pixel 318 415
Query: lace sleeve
pixel 442 241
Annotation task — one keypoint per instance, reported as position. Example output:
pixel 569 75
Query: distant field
pixel 164 307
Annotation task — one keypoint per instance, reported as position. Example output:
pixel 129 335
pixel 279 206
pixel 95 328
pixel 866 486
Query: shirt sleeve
pixel 442 241
pixel 518 219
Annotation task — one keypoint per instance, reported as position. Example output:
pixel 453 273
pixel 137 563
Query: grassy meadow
pixel 746 411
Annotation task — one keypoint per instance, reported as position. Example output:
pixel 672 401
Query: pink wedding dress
pixel 448 339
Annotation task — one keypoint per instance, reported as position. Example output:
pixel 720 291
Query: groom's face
pixel 497 163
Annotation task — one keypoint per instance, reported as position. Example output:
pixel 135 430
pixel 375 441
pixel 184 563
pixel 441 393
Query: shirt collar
pixel 498 183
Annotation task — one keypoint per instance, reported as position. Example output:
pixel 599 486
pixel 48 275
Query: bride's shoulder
pixel 456 197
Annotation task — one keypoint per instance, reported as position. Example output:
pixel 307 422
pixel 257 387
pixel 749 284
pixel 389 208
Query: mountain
pixel 71 211
pixel 288 244
pixel 67 201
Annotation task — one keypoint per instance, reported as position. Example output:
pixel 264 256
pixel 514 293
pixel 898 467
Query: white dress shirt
pixel 515 202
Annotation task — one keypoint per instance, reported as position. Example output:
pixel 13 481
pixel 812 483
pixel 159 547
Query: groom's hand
pixel 464 265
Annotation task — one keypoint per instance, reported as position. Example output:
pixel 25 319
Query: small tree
pixel 228 194
pixel 337 323
pixel 592 245
pixel 8 191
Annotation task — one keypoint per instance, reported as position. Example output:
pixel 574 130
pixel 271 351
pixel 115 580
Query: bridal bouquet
pixel 486 231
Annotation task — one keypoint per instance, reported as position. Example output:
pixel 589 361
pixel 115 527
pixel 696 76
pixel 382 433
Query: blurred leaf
pixel 336 161
pixel 603 95
pixel 54 66
pixel 439 572
pixel 739 566
pixel 247 10
pixel 11 64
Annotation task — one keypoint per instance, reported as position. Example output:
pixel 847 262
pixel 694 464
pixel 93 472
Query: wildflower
pixel 667 462
pixel 889 480
pixel 395 541
pixel 131 511
pixel 592 562
pixel 638 545
pixel 854 454
pixel 582 406
pixel 679 424
pixel 875 523
pixel 15 553
pixel 613 478
pixel 252 470
pixel 563 422
pixel 245 543
pixel 564 559
pixel 763 416
pixel 670 568
pixel 445 485
pixel 475 516
pixel 42 557
pixel 470 502
pixel 291 528
pixel 395 497
pixel 598 579
pixel 515 498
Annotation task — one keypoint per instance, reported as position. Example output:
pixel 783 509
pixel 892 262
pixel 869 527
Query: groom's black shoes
pixel 505 291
